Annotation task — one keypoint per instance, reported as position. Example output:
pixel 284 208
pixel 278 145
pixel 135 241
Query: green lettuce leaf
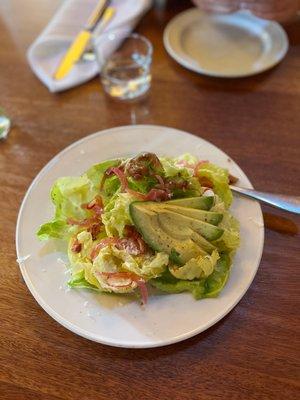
pixel 217 280
pixel 53 230
pixel 177 172
pixel 188 158
pixel 78 281
pixel 168 283
pixel 116 214
pixel 200 288
pixel 152 266
pixel 196 268
pixel 219 177
pixel 67 194
pixel 96 172
pixel 171 169
pixel 142 185
pixel 111 186
pixel 81 261
pixel 230 240
pixel 111 259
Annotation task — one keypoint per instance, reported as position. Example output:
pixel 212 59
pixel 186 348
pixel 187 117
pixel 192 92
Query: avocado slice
pixel 203 243
pixel 187 233
pixel 147 223
pixel 211 217
pixel 206 216
pixel 201 202
pixel 171 230
pixel 180 222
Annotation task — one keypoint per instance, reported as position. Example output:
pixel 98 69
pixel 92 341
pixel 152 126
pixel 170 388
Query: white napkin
pixel 48 49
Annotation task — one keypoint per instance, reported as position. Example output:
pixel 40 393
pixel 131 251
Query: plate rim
pixel 202 71
pixel 83 332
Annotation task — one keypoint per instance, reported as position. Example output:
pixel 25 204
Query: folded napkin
pixel 49 48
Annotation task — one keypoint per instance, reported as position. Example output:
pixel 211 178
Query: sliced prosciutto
pixel 125 280
pixel 103 243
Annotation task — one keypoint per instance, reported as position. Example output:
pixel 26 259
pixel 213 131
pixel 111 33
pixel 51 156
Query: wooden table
pixel 253 353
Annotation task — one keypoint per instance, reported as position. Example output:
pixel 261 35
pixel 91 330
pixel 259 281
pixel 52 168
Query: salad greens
pixel 124 229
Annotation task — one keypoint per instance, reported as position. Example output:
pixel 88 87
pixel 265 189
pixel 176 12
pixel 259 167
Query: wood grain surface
pixel 253 353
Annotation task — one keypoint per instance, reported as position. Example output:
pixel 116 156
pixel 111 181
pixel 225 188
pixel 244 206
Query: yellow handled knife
pixel 79 44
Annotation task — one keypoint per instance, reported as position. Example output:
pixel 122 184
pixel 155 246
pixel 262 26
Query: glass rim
pixel 148 56
pixel 126 36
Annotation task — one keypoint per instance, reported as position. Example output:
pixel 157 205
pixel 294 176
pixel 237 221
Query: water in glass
pixel 126 78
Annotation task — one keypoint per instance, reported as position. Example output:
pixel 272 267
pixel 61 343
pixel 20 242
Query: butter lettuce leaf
pixel 111 259
pixel 114 261
pixel 169 284
pixel 171 169
pixel 79 281
pixel 200 288
pixel 55 229
pixel 230 240
pixel 187 158
pixel 67 194
pixel 217 280
pixel 96 172
pixel 116 214
pixel 199 267
pixel 176 172
pixel 81 261
pixel 219 178
pixel 142 185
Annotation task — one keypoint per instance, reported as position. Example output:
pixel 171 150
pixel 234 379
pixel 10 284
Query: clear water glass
pixel 124 61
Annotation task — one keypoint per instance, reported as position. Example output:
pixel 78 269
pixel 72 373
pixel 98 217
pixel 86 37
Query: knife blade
pixel 89 54
pixel 79 44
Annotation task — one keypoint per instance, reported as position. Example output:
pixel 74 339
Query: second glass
pixel 124 61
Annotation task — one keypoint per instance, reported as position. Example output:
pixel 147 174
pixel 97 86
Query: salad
pixel 146 221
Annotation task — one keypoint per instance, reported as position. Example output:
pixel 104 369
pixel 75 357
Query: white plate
pixel 225 45
pixel 112 319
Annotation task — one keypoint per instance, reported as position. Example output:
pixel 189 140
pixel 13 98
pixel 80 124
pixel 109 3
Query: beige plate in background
pixel 225 45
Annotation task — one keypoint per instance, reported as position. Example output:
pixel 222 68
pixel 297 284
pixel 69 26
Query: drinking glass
pixel 124 62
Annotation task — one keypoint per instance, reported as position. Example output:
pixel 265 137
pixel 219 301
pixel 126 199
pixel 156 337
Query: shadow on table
pixel 249 84
pixel 280 224
pixel 280 221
